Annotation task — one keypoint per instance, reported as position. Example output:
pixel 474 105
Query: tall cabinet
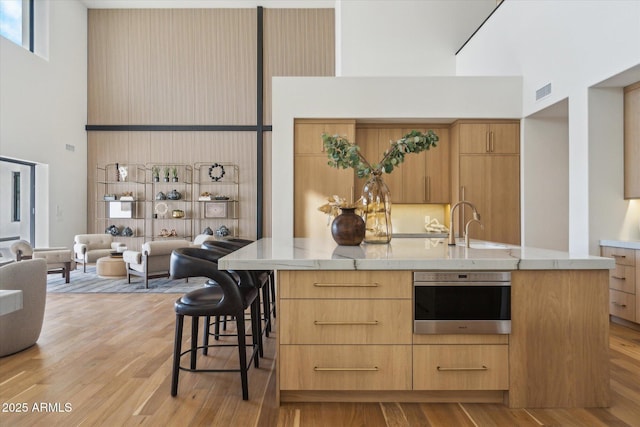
pixel 486 172
pixel 314 179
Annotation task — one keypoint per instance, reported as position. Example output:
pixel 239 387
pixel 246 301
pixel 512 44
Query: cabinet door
pixel 492 184
pixel 308 135
pixel 632 141
pixel 314 179
pixel 426 175
pixel 497 138
pixel 394 180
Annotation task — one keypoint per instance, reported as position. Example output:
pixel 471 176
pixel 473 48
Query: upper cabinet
pixel 422 177
pixel 632 141
pixel 489 138
pixel 314 180
pixel 425 175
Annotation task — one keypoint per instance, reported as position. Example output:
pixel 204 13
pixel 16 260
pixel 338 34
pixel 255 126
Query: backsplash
pixel 410 218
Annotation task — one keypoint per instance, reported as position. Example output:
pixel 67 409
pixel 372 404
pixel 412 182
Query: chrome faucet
pixel 466 230
pixel 452 232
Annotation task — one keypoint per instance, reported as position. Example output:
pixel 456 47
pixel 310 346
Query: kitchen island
pixel 345 324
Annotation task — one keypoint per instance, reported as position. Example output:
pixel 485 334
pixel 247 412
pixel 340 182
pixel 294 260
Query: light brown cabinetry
pixel 486 172
pixel 345 330
pixel 485 138
pixel 632 141
pixel 425 176
pixel 314 179
pixel 624 298
pixel 422 177
pixel 461 367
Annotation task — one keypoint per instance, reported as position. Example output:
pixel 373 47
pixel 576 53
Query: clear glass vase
pixel 377 210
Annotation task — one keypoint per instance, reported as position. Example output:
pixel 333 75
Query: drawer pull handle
pixel 618 304
pixel 618 256
pixel 483 368
pixel 344 322
pixel 346 285
pixel 321 369
pixel 618 277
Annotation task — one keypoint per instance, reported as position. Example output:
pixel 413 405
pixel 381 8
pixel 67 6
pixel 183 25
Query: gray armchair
pixel 21 329
pixel 153 260
pixel 87 248
pixel 59 260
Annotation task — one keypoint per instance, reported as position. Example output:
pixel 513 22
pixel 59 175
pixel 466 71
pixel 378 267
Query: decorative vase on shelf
pixel 347 228
pixel 377 210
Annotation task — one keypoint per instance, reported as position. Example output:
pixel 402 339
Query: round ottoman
pixel 109 267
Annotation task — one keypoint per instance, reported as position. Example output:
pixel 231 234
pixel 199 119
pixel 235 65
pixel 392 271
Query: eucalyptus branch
pixel 344 154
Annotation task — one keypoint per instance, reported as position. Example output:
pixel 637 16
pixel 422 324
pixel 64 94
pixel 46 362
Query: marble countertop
pixel 625 244
pixel 402 254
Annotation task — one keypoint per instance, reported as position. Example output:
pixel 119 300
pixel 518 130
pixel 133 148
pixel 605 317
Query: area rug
pixel 90 283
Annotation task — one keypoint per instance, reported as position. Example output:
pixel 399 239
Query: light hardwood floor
pixel 108 358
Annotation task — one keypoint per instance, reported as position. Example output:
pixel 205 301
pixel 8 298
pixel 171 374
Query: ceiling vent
pixel 543 91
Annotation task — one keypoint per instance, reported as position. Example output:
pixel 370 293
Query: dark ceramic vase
pixel 348 228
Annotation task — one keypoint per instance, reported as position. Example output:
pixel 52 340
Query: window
pixel 15 209
pixel 16 22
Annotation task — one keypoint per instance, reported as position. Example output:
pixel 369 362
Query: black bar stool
pixel 262 278
pixel 224 296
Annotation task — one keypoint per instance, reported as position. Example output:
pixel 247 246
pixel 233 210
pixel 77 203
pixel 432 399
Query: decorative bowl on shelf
pixel 174 195
pixel 221 197
pixel 177 213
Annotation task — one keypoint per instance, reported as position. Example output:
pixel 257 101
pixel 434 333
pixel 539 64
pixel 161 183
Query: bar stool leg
pixel 177 349
pixel 194 340
pixel 242 353
pixel 205 335
pixel 256 335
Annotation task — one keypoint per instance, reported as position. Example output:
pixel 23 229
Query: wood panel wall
pixel 195 67
pixel 297 42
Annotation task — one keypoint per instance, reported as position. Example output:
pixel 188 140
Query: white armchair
pixel 59 259
pixel 87 248
pixel 153 260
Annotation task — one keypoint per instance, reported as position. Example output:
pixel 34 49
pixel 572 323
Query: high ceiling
pixel 189 4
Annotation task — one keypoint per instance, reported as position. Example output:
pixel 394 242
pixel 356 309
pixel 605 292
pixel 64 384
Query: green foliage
pixel 344 154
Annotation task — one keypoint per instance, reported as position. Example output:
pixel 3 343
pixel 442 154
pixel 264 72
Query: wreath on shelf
pixel 216 172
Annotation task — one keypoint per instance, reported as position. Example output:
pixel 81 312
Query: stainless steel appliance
pixel 474 302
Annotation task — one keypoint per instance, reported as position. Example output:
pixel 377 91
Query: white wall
pixel 419 98
pixel 43 108
pixel 574 45
pixel 545 178
pixel 404 37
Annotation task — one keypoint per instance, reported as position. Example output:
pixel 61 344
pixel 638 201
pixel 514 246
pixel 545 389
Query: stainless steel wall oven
pixel 474 302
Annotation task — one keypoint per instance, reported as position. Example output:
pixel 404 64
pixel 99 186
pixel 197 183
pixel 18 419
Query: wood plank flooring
pixel 105 360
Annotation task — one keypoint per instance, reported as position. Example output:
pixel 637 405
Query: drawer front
pixel 345 284
pixel 460 367
pixel 623 278
pixel 350 367
pixel 621 255
pixel 622 304
pixel 345 321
